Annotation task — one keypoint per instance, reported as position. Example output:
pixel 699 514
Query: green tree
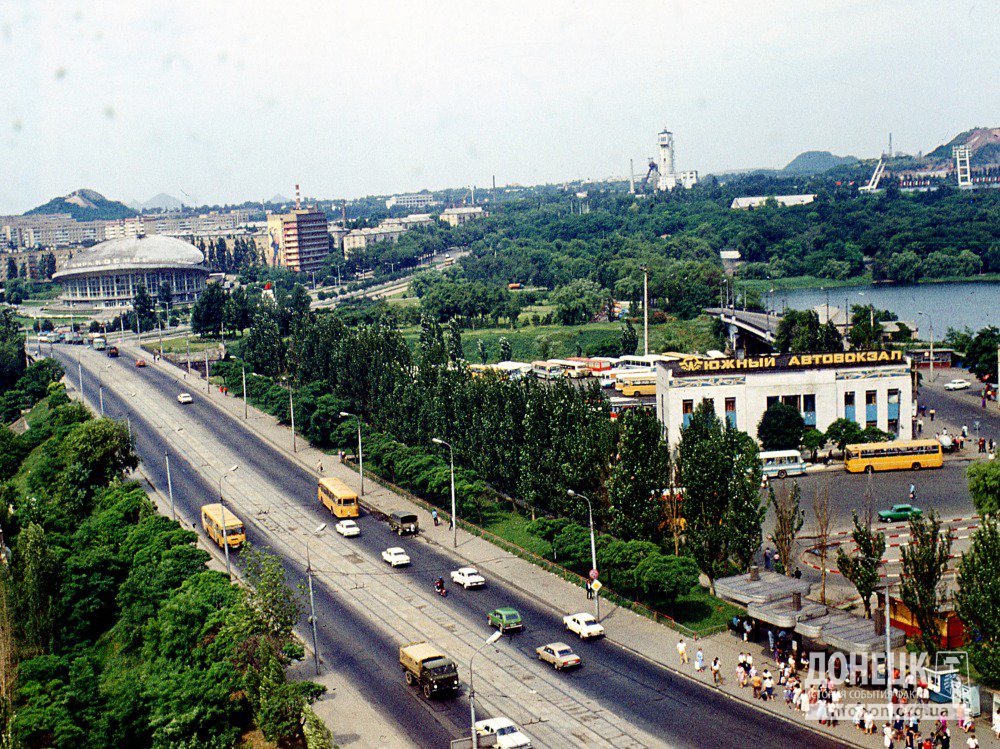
pixel 984 486
pixel 629 339
pixel 977 600
pixel 781 428
pixel 505 349
pixel 638 475
pixel 483 354
pixel 455 352
pixel 925 560
pixel 165 295
pixel 981 353
pixel 866 328
pixel 102 449
pixel 12 358
pixel 11 269
pixel 206 315
pixel 861 568
pixel 903 267
pixel 142 305
pixel 663 578
pixel 263 348
pixel 720 472
pixel 788 520
pixel 578 301
pixel 34 565
pixel 843 432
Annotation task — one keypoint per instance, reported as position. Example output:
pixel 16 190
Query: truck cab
pixel 403 523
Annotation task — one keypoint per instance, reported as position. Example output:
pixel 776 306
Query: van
pixel 782 463
pixel 403 523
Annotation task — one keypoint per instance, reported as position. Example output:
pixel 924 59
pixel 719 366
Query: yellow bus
pixel 640 383
pixel 893 456
pixel 212 521
pixel 338 498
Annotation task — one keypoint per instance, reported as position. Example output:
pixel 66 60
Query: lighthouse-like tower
pixel 669 176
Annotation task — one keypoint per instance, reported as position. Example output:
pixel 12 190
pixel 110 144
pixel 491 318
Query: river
pixel 949 305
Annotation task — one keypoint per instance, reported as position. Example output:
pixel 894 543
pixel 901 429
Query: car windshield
pixel 510 617
pixel 506 730
pixel 564 652
pixel 443 670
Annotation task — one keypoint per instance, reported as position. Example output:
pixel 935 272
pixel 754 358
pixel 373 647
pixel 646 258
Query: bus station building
pixel 873 388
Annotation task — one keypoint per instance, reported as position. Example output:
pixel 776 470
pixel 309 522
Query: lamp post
pixel 187 340
pixel 222 502
pixel 472 686
pixel 454 519
pixel 312 605
pixel 361 456
pixel 291 414
pixel 931 324
pixel 645 310
pixel 100 388
pixel 170 485
pixel 244 368
pixel 593 550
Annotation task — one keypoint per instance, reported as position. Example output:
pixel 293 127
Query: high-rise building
pixel 669 177
pixel 298 240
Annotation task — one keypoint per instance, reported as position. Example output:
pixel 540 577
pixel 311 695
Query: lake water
pixel 949 305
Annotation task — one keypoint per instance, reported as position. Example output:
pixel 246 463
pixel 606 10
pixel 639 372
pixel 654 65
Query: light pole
pixel 79 373
pixel 208 383
pixel 361 456
pixel 244 368
pixel 170 485
pixel 222 503
pixel 291 414
pixel 454 518
pixel 100 388
pixel 187 340
pixel 312 605
pixel 930 323
pixel 472 686
pixel 593 550
pixel 645 310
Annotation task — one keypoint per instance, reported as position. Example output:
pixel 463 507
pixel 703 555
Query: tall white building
pixel 669 176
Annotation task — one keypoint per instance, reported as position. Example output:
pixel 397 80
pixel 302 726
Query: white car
pixel 347 528
pixel 185 398
pixel 509 736
pixel 395 557
pixel 957 385
pixel 468 577
pixel 584 625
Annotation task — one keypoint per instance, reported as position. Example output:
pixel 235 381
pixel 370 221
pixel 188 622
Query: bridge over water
pixel 749 333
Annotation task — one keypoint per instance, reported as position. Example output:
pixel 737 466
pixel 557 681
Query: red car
pixel 140 362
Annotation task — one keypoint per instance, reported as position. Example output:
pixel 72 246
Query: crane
pixel 872 185
pixel 652 168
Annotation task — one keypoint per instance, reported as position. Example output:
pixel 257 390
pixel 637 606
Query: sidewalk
pixel 625 629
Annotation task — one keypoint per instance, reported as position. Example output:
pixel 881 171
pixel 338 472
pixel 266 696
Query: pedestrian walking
pixel 699 661
pixel 319 467
pixel 920 427
pixel 682 651
pixel 717 672
pixel 434 517
pixel 590 590
pixel 965 431
pixel 757 682
pixel 933 412
pixel 887 736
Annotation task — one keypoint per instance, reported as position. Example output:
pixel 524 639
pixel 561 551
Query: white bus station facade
pixel 873 388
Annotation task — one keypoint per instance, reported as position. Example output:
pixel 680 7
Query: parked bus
pixel 893 456
pixel 545 370
pixel 338 498
pixel 782 463
pixel 572 369
pixel 631 384
pixel 620 404
pixel 212 521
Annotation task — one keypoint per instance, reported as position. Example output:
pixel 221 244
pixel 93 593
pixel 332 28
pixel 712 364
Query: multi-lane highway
pixel 366 611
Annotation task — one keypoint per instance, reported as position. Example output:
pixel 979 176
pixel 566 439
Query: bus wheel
pixel 869 469
pixel 782 474
pixel 916 466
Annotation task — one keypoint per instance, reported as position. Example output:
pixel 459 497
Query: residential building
pixel 413 200
pixel 758 201
pixel 461 215
pixel 299 240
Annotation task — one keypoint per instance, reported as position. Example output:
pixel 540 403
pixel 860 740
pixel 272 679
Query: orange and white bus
pixel 573 369
pixel 336 496
pixel 631 384
pixel 893 456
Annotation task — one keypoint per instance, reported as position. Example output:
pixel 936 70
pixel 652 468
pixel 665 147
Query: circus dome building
pixel 108 274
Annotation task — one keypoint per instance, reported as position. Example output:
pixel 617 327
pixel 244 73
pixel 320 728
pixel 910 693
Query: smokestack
pixel 473 195
pixel 298 199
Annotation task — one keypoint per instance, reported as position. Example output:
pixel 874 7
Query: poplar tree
pixel 861 569
pixel 925 560
pixel 977 600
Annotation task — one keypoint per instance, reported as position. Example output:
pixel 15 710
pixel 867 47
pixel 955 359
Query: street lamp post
pixel 312 605
pixel 472 686
pixel 222 502
pixel 361 456
pixel 170 485
pixel 454 517
pixel 244 368
pixel 930 323
pixel 645 310
pixel 291 415
pixel 593 550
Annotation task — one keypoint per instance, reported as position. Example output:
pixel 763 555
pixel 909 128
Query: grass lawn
pixel 179 345
pixel 529 343
pixel 513 527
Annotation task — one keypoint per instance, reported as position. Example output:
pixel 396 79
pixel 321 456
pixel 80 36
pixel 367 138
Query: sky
pixel 216 102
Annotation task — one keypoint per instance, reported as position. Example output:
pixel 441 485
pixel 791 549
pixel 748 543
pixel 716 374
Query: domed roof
pixel 153 251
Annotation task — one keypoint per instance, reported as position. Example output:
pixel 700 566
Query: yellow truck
pixel 427 667
pixel 214 518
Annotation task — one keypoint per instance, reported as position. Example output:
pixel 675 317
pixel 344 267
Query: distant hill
pixel 162 202
pixel 816 162
pixel 984 142
pixel 279 199
pixel 85 205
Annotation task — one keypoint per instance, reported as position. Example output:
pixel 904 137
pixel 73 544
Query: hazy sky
pixel 229 101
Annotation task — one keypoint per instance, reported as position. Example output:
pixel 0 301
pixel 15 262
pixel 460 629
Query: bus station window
pixel 849 406
pixel 731 411
pixel 687 408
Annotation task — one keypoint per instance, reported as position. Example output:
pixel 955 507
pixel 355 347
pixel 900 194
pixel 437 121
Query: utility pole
pixel 187 340
pixel 244 366
pixel 291 411
pixel 170 486
pixel 208 385
pixel 645 310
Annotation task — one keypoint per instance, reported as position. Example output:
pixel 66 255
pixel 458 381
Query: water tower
pixel 666 142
